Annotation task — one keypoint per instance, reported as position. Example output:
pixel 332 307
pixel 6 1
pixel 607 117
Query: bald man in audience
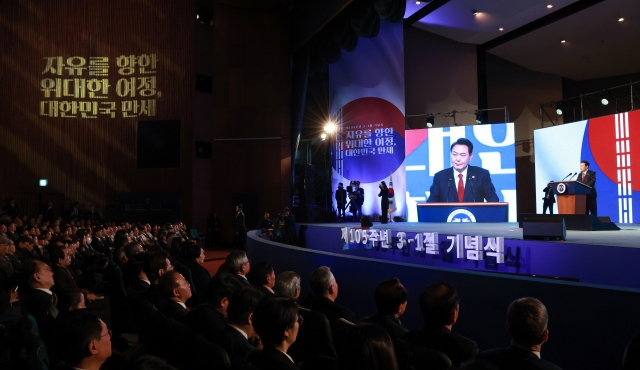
pixel 527 321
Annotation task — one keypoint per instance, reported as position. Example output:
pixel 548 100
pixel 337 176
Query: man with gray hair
pixel 288 284
pixel 239 265
pixel 325 288
pixel 527 320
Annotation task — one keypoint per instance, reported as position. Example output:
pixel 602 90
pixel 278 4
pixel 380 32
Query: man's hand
pixel 91 297
pixel 13 296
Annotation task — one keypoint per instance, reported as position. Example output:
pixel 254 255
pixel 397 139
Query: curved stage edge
pixel 581 314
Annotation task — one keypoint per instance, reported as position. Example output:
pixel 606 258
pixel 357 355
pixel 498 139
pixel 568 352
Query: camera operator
pixel 357 201
pixel 289 227
pixel 341 199
pixel 267 227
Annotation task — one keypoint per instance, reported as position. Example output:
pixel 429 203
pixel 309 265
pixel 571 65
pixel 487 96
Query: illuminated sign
pixel 75 87
pixel 469 247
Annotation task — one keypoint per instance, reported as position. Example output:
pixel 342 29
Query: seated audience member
pixel 40 300
pixel 288 284
pixel 82 340
pixel 367 347
pixel 440 307
pixel 200 275
pixel 263 277
pixel 391 303
pixel 176 291
pixel 135 280
pixel 239 337
pixel 325 288
pixel 239 265
pixel 277 323
pixel 24 252
pixel 131 249
pixel 155 265
pixel 210 317
pixel 72 299
pixel 527 321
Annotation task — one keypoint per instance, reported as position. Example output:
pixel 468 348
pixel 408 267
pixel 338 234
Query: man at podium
pixel 461 182
pixel 588 177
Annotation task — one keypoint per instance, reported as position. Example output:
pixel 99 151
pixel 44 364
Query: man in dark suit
pixel 391 303
pixel 82 340
pixel 240 228
pixel 325 288
pixel 176 290
pixel 462 182
pixel 238 336
pixel 341 200
pixel 527 320
pixel 440 306
pixel 277 322
pixel 588 177
pixel 239 266
pixel 40 301
pixel 210 317
pixel 548 199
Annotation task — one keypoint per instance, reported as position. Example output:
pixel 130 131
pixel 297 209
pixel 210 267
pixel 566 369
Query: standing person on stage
pixel 290 233
pixel 357 201
pixel 549 198
pixel 462 182
pixel 341 199
pixel 384 201
pixel 588 177
pixel 240 228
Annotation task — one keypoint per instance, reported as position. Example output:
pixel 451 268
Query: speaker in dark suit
pixel 588 177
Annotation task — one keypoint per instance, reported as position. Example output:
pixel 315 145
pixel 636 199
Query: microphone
pixel 472 190
pixel 448 187
pixel 575 174
pixel 570 173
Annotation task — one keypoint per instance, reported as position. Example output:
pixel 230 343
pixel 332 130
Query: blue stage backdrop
pixel 366 92
pixel 429 151
pixel 608 144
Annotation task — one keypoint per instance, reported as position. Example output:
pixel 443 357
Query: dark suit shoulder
pixel 516 358
pixel 332 310
pixel 458 348
pixel 391 325
pixel 272 359
pixel 173 310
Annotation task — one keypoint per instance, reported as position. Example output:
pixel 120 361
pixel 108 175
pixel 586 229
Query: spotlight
pixel 475 12
pixel 330 127
pixel 606 98
pixel 500 29
pixel 417 2
pixel 620 19
pixel 559 109
pixel 563 41
pixel 549 6
pixel 430 120
pixel 323 136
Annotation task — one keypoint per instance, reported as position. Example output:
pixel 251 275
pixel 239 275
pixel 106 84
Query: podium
pixel 463 212
pixel 572 196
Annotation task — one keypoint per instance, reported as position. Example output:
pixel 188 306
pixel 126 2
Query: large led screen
pixel 607 143
pixel 429 151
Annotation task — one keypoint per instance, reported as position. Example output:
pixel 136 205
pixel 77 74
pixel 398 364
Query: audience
pixel 440 306
pixel 263 277
pixel 82 341
pixel 201 276
pixel 176 291
pixel 325 288
pixel 239 339
pixel 288 284
pixel 210 317
pixel 391 303
pixel 367 347
pixel 239 265
pixel 277 322
pixel 527 321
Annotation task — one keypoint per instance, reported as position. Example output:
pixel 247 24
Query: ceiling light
pixel 330 127
pixel 563 41
pixel 620 19
pixel 417 2
pixel 500 29
pixel 604 101
pixel 606 98
pixel 475 12
pixel 559 109
pixel 549 6
pixel 430 121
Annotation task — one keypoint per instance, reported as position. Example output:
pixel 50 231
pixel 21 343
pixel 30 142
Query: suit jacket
pixel 242 280
pixel 235 343
pixel 478 186
pixel 392 325
pixel 173 310
pixel 458 348
pixel 548 194
pixel 205 320
pixel 200 275
pixel 39 303
pixel 63 280
pixel 153 295
pixel 341 196
pixel 238 224
pixel 516 358
pixel 332 310
pixel 589 179
pixel 273 359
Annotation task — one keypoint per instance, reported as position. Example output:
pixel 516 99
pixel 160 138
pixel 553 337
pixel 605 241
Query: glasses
pixel 300 320
pixel 109 333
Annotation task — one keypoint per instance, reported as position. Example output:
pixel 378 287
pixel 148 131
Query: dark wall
pixel 91 159
pixel 589 325
pixel 251 99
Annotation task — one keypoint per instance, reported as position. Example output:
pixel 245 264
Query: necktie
pixel 71 276
pixel 53 311
pixel 460 188
pixel 582 177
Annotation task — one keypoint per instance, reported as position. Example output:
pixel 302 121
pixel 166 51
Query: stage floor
pixel 628 236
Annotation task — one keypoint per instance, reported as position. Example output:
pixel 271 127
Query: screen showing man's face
pixel 460 157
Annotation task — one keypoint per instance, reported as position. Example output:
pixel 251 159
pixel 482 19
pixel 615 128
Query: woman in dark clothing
pixel 200 275
pixel 384 202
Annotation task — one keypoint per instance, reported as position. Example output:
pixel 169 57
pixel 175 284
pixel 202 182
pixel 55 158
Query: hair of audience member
pixel 437 303
pixel 56 254
pixel 24 239
pixel 155 261
pixel 81 233
pixel 167 283
pixel 221 286
pixel 272 317
pixel 259 273
pixel 120 241
pixel 192 251
pixel 243 303
pixel 29 269
pixel 527 319
pixel 235 260
pixel 131 249
pixel 367 347
pixel 287 284
pixel 320 281
pixel 389 295
pixel 134 266
pixel 70 298
pixel 148 362
pixel 73 334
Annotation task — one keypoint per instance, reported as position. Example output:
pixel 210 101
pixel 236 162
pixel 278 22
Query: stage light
pixel 330 127
pixel 323 136
pixel 43 182
pixel 558 109
pixel 417 2
pixel 606 98
pixel 430 120
pixel 475 12
pixel 620 19
pixel 549 6
pixel 563 41
pixel 500 29
pixel 604 101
